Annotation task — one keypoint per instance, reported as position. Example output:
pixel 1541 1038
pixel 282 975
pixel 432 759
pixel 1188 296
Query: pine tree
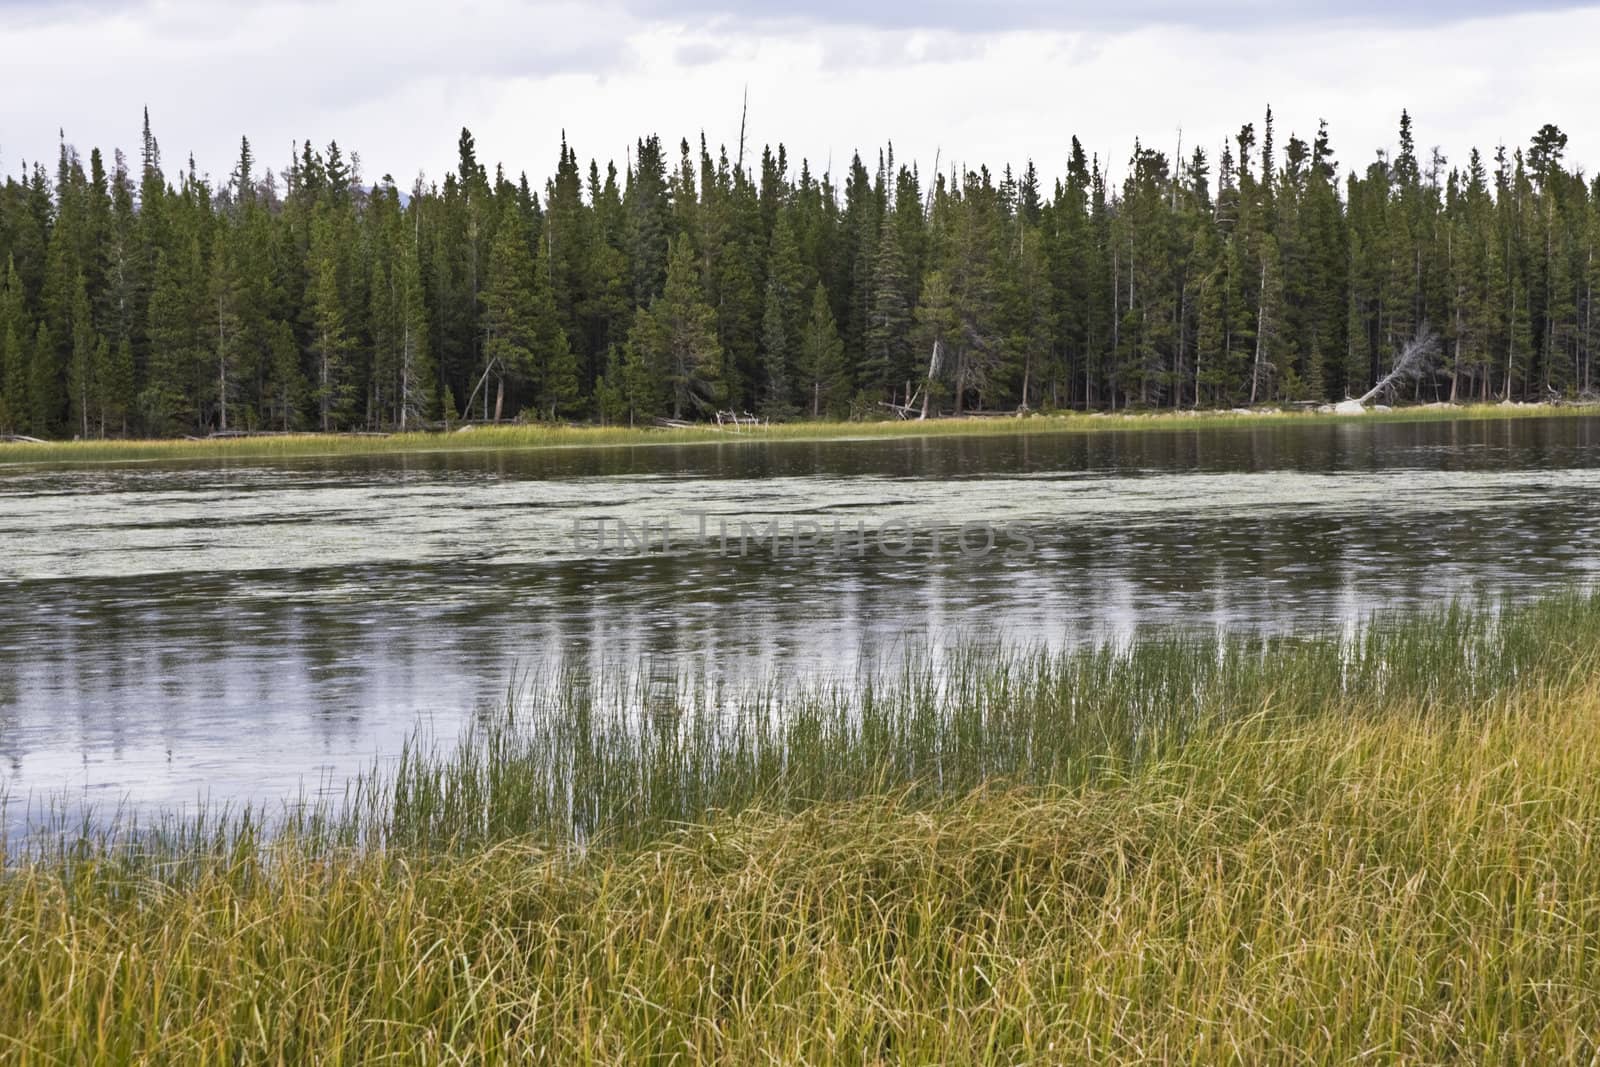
pixel 15 411
pixel 822 358
pixel 331 389
pixel 43 383
pixel 607 305
pixel 784 308
pixel 509 314
pixel 557 367
pixel 115 385
pixel 523 339
pixel 674 341
pixel 567 241
pixel 224 327
pixel 886 357
pixel 649 221
pixel 611 392
pixel 414 392
pixel 176 346
pixel 87 360
pixel 776 354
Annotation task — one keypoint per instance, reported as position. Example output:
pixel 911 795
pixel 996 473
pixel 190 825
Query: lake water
pixel 247 629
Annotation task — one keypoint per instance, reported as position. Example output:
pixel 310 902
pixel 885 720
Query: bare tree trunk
pixel 1116 320
pixel 1261 329
pixel 222 385
pixel 1455 379
pixel 1177 377
pixel 405 374
pixel 927 387
pixel 322 374
pixel 1588 326
pixel 1511 345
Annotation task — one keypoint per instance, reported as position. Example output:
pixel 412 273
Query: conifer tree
pixel 674 341
pixel 822 358
pixel 777 358
pixel 523 339
pixel 14 408
pixel 169 399
pixel 649 221
pixel 43 383
pixel 331 389
pixel 224 328
pixel 886 356
pixel 87 359
pixel 116 388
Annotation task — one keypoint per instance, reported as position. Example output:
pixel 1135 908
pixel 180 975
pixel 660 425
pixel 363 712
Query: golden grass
pixel 564 436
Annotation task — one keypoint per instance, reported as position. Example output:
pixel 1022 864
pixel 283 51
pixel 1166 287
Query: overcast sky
pixel 980 82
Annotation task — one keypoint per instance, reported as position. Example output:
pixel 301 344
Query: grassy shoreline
pixel 560 436
pixel 1212 849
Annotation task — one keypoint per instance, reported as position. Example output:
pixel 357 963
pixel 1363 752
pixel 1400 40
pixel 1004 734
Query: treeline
pixel 135 303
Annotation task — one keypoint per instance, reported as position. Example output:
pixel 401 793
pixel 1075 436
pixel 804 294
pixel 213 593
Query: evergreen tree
pixel 523 338
pixel 331 389
pixel 168 399
pixel 15 410
pixel 224 327
pixel 87 360
pixel 777 357
pixel 886 361
pixel 649 221
pixel 116 385
pixel 822 358
pixel 674 342
pixel 43 383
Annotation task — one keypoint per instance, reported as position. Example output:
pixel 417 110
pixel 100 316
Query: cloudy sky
pixel 977 82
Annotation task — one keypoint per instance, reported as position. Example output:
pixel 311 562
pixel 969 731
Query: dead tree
pixel 1415 360
pixel 927 386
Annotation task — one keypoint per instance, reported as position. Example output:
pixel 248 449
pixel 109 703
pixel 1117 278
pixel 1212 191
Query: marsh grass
pixel 540 435
pixel 1302 849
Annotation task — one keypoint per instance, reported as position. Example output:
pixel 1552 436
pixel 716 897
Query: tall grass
pixel 576 760
pixel 559 436
pixel 1201 849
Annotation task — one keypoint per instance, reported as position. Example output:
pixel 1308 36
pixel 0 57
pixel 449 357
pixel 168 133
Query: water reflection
pixel 247 630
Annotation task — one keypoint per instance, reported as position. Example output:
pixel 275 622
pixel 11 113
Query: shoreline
pixel 475 438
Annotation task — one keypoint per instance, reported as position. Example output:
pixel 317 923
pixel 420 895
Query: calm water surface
pixel 245 630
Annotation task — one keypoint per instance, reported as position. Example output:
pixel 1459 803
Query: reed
pixel 1309 849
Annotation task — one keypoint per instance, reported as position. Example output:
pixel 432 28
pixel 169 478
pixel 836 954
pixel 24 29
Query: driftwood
pixel 738 420
pixel 20 439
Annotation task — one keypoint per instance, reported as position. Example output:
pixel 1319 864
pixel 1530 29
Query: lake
pixel 248 630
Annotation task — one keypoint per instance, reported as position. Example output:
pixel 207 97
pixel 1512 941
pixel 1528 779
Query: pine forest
pixel 139 299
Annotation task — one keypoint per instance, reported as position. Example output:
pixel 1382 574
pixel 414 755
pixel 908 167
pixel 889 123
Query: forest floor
pixel 1211 849
pixel 551 435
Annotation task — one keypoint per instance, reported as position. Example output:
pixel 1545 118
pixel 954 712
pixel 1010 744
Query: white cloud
pixel 396 82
